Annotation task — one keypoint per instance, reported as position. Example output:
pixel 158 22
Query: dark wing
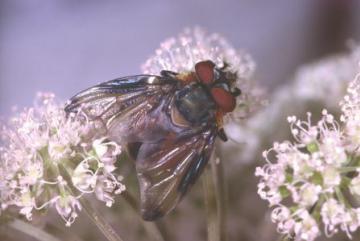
pixel 135 111
pixel 121 106
pixel 166 170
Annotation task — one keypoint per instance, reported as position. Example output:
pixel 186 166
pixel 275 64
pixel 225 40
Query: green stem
pixel 60 232
pixel 220 193
pixel 341 197
pixel 213 233
pixel 151 228
pixel 32 231
pixel 215 199
pixel 348 169
pixel 99 221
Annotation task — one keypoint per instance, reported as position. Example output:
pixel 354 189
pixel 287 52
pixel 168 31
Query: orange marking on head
pixel 219 119
pixel 187 77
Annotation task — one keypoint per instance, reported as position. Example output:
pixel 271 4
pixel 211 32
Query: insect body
pixel 168 124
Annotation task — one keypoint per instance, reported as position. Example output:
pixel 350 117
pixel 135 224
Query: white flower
pixel 350 107
pixel 317 169
pixel 309 194
pixel 273 178
pixel 26 202
pixel 301 224
pixel 331 178
pixel 333 148
pixel 282 216
pixel 332 213
pixel 39 146
pixel 306 229
pixel 67 206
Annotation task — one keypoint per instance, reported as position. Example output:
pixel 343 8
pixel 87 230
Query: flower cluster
pixel 180 54
pixel 315 180
pixel 51 159
pixel 317 85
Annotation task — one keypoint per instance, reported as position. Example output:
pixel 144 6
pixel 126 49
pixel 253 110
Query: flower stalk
pixel 215 199
pixel 151 227
pixel 100 221
pixel 213 232
pixel 32 231
pixel 221 191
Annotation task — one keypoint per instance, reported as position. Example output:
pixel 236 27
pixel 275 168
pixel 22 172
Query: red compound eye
pixel 224 99
pixel 205 71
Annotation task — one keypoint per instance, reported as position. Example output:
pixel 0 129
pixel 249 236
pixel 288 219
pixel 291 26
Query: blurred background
pixel 67 45
pixel 64 46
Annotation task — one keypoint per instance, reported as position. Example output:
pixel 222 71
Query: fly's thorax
pixel 194 104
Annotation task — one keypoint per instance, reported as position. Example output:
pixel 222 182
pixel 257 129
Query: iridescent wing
pixel 136 112
pixel 167 169
pixel 121 106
